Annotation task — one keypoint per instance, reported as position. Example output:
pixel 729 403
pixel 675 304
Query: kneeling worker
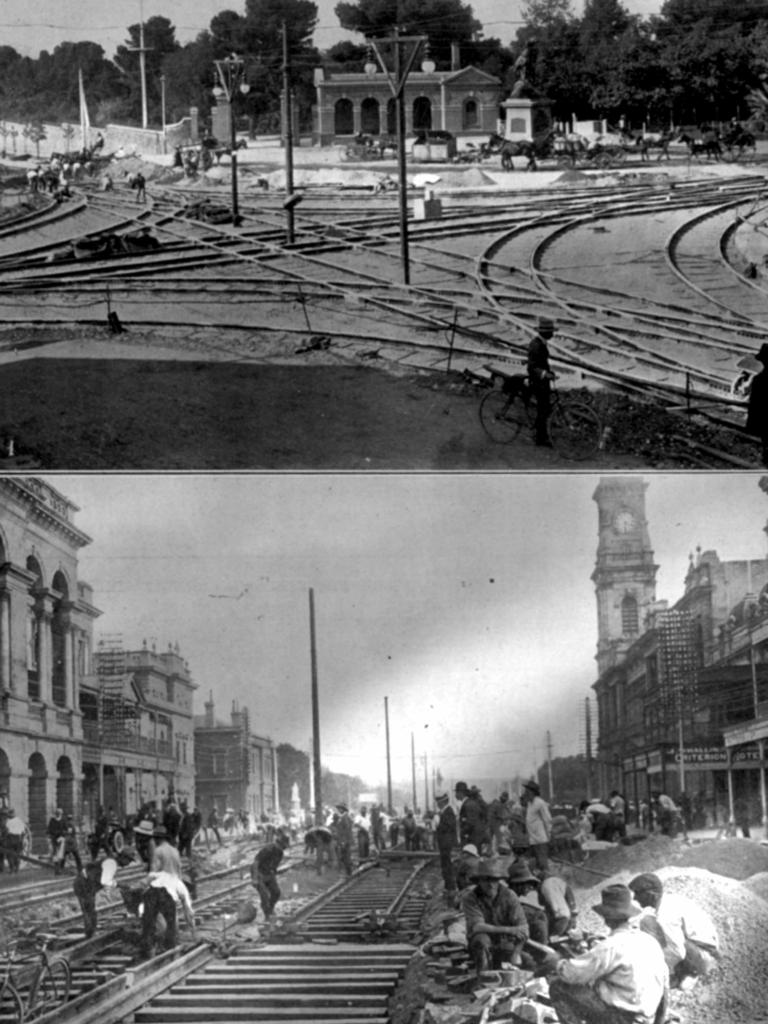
pixel 496 923
pixel 689 938
pixel 622 980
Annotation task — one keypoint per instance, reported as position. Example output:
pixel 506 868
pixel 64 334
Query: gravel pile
pixel 736 990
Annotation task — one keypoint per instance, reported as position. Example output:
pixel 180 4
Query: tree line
pixel 696 61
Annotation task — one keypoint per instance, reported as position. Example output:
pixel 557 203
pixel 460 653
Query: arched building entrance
pixel 36 801
pixel 65 786
pixel 344 117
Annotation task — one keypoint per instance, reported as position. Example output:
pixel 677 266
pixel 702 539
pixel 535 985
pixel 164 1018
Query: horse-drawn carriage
pixel 566 149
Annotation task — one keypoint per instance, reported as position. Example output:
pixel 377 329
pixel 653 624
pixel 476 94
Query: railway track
pixel 340 957
pixel 480 277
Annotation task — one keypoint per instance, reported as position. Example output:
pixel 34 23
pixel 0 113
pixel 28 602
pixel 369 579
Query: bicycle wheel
pixel 574 429
pixel 501 416
pixel 11 1005
pixel 51 987
pixel 118 841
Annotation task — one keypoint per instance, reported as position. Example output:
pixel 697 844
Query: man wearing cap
pixel 621 980
pixel 540 376
pixel 342 833
pixel 495 920
pixel 757 406
pixel 538 822
pixel 685 932
pixel 264 873
pixel 143 835
pixel 446 839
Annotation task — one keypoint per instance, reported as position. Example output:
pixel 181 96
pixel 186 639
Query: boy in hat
pixel 686 933
pixel 445 838
pixel 540 376
pixel 621 980
pixel 538 823
pixel 496 924
pixel 757 407
pixel 525 885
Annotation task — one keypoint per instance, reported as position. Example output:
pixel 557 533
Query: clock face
pixel 624 521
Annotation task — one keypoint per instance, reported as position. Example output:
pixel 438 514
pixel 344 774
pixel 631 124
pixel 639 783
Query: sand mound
pixel 735 991
pixel 736 858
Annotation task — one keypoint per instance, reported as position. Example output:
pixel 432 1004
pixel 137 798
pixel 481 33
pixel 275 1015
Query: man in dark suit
pixel 446 840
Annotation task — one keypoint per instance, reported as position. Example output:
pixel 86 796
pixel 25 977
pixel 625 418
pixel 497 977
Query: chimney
pixel 209 723
pixel 455 58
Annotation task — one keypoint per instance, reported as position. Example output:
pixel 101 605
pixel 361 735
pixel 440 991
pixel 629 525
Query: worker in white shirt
pixel 689 937
pixel 623 979
pixel 165 892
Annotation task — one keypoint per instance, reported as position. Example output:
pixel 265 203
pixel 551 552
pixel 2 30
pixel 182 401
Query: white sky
pixel 43 24
pixel 465 599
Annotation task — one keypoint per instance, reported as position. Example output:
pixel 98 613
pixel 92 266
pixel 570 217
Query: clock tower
pixel 625 573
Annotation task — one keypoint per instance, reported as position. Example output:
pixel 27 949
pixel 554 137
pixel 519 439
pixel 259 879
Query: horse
pixel 739 139
pixel 646 141
pixel 529 148
pixel 707 145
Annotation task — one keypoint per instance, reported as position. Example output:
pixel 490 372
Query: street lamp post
pixel 404 50
pixel 162 106
pixel 230 72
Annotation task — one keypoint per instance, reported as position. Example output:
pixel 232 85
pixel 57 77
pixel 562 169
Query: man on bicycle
pixel 539 377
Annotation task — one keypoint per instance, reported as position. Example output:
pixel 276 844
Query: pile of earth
pixel 735 990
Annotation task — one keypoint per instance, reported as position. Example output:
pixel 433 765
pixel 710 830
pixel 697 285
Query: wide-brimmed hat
pixel 159 831
pixel 616 903
pixel 342 807
pixel 546 323
pixel 647 883
pixel 519 873
pixel 470 848
pixel 492 869
pixel 461 787
pixel 144 828
pixel 533 785
pixel 442 798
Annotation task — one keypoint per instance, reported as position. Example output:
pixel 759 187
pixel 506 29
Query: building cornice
pixel 46 506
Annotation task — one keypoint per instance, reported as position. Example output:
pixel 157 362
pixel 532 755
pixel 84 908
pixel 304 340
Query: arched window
pixel 369 116
pixel 422 114
pixel 630 620
pixel 59 642
pixel 469 117
pixel 343 118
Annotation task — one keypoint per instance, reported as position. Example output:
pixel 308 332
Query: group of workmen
pixel 520 912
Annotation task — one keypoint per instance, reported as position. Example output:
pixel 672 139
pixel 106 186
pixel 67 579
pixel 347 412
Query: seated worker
pixel 495 920
pixel 559 903
pixel 264 873
pixel 688 936
pixel 99 874
pixel 525 885
pixel 621 980
pixel 469 859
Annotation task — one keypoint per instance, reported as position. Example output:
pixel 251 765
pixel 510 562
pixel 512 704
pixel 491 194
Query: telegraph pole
pixel 142 50
pixel 549 767
pixel 389 763
pixel 315 727
pixel 413 773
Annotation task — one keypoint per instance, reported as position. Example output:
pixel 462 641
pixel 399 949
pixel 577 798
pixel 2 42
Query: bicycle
pixel 40 983
pixel 575 429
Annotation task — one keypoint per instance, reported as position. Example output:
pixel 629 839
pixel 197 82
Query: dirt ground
pixel 79 400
